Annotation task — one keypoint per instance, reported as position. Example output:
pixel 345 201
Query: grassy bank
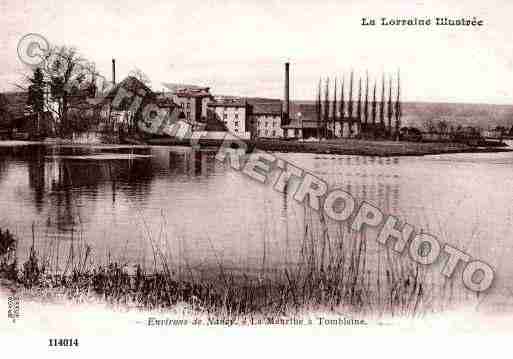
pixel 333 275
pixel 335 147
pixel 348 147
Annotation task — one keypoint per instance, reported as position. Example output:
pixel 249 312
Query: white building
pixel 233 113
pixel 191 99
pixel 266 120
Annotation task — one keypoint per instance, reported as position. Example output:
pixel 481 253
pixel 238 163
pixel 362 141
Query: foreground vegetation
pixel 335 274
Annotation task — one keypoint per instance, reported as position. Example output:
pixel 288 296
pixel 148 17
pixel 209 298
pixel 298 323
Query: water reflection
pixel 201 213
pixel 194 204
pixel 373 179
pixel 68 193
pixel 199 196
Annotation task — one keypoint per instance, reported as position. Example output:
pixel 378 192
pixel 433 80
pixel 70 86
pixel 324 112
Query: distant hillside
pixel 478 115
pixel 416 113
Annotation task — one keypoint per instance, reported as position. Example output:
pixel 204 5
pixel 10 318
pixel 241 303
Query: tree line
pixel 64 74
pixel 375 117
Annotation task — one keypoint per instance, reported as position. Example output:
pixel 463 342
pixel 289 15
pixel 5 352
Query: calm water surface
pixel 199 212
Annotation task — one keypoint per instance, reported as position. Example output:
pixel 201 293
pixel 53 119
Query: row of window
pixel 266 124
pixel 266 133
pixel 225 116
pixel 235 124
pixel 236 109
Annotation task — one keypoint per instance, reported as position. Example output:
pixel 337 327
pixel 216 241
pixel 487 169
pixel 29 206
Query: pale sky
pixel 239 47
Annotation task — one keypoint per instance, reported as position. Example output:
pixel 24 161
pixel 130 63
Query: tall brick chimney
pixel 113 71
pixel 286 100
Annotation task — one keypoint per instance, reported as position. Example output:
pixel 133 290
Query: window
pixel 225 116
pixel 236 130
pixel 181 105
pixel 188 105
pixel 236 115
pixel 236 123
pixel 274 133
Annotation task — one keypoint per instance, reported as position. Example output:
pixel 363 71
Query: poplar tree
pixel 389 113
pixel 359 103
pixel 350 101
pixel 334 109
pixel 318 105
pixel 342 104
pixel 374 106
pixel 382 104
pixel 366 105
pixel 326 106
pixel 398 105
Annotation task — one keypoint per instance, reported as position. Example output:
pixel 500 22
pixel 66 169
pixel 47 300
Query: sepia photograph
pixel 192 178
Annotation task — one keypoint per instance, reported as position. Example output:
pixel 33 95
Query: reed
pixel 336 273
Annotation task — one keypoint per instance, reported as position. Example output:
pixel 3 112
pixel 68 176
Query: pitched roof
pixel 173 87
pixel 302 123
pixel 272 108
pixel 183 90
pixel 255 100
pixel 163 101
pixel 131 84
pixel 228 101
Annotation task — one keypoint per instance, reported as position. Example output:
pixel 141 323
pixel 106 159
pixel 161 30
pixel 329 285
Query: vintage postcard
pixel 248 178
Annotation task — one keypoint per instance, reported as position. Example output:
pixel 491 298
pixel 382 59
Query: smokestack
pixel 114 71
pixel 287 98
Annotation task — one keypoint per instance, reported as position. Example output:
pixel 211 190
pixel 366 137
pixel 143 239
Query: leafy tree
pixel 66 72
pixel 442 126
pixel 141 76
pixel 5 119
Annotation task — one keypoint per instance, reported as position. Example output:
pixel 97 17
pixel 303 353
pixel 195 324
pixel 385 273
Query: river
pixel 201 213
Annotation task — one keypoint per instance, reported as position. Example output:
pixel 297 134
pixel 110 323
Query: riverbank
pixel 354 147
pixel 348 147
pixel 339 282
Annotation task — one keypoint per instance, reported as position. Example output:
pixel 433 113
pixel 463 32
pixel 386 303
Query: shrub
pixel 8 264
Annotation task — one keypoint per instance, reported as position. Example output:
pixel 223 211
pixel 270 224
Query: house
pixel 302 127
pixel 495 134
pixel 191 99
pixel 13 108
pixel 16 116
pixel 293 130
pixel 233 112
pixel 266 119
pixel 304 122
pixel 131 105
